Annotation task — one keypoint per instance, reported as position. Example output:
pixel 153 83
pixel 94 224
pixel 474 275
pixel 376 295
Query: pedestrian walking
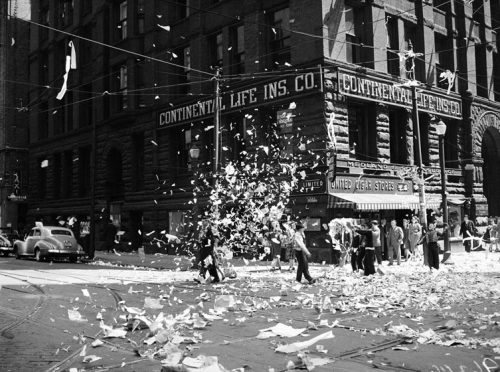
pixel 334 231
pixel 468 231
pixel 384 229
pixel 110 232
pixel 355 245
pixel 369 256
pixel 414 234
pixel 208 260
pixel 395 238
pixel 288 242
pixel 275 238
pixel 302 254
pixel 495 233
pixel 406 240
pixel 345 242
pixel 489 237
pixel 431 236
pixel 377 243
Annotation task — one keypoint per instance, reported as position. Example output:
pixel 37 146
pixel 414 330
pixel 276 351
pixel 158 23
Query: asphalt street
pixel 50 314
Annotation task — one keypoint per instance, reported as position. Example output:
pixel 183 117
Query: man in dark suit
pixel 468 230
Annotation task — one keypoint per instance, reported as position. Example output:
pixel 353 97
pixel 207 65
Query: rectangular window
pixel 280 41
pixel 140 16
pixel 180 143
pixel 362 131
pixel 451 144
pixel 391 24
pixel 67 181
pixel 84 166
pixel 66 12
pixel 56 175
pixel 397 130
pixel 357 34
pixel 140 83
pixel 42 177
pixel 138 161
pixel 44 20
pixel 86 7
pixel 237 52
pixel 182 9
pixel 43 121
pixel 444 60
pixel 68 110
pixel 176 223
pixel 122 20
pixel 85 47
pixel 121 83
pixel 215 50
pixel 58 116
pixel 182 72
pixel 86 104
pixel 415 68
pixel 423 124
pixel 44 68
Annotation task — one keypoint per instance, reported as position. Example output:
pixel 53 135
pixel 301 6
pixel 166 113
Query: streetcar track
pixel 42 296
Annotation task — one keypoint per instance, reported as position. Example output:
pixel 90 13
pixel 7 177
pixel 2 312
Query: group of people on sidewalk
pixel 366 244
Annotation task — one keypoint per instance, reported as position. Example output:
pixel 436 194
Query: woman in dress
pixel 414 234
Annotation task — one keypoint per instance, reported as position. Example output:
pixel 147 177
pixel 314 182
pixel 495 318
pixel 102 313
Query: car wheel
pixel 5 253
pixel 73 259
pixel 16 253
pixel 38 255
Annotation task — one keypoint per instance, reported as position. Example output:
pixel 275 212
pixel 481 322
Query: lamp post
pixel 441 131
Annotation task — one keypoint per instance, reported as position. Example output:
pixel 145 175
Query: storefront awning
pixel 366 202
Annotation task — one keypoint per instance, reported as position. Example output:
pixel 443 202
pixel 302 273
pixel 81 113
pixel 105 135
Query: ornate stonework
pixel 482 120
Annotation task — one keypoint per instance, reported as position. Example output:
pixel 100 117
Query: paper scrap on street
pixel 281 330
pixel 297 346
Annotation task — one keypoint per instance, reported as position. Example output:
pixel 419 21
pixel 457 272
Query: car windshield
pixel 61 232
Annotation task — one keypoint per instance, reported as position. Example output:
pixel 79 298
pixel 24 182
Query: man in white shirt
pixel 302 254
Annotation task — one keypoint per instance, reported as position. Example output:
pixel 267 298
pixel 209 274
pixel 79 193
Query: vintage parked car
pixel 5 245
pixel 49 241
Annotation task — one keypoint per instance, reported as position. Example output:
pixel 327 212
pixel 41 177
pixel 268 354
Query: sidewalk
pixel 160 261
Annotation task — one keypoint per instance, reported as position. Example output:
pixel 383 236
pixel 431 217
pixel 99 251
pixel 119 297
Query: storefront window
pixel 397 129
pixel 451 144
pixel 362 131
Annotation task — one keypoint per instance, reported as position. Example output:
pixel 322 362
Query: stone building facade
pixel 127 122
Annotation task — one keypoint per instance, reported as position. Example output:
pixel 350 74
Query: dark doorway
pixel 114 180
pixel 491 171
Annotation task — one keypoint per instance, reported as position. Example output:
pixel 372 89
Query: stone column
pixel 383 134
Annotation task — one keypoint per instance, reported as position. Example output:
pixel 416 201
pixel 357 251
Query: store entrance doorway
pixel 490 149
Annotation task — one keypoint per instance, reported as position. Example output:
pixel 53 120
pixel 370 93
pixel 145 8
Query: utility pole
pixel 421 186
pixel 216 135
pixel 93 172
pixel 3 104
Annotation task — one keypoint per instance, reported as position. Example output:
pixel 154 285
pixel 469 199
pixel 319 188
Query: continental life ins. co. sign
pixel 373 89
pixel 282 88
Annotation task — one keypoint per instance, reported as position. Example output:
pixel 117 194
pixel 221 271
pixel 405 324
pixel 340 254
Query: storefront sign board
pixel 285 87
pixel 388 167
pixel 363 184
pixel 374 89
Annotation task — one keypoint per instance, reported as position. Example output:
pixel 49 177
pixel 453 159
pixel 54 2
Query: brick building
pixel 141 116
pixel 13 117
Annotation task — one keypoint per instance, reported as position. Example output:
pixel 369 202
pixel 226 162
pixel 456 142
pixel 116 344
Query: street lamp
pixel 194 152
pixel 440 127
